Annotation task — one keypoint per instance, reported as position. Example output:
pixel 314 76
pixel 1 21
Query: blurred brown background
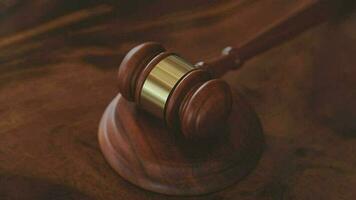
pixel 58 64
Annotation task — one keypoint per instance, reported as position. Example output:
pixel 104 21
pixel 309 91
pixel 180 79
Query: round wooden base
pixel 143 151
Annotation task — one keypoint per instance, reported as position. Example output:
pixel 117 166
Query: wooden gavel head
pixel 185 96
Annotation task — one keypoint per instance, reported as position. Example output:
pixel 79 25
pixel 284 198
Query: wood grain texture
pixel 142 150
pixel 56 82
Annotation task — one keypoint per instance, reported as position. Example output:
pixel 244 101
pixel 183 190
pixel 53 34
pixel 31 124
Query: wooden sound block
pixel 143 151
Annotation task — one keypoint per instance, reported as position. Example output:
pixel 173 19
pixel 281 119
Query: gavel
pixel 191 98
pixel 185 96
pixel 192 134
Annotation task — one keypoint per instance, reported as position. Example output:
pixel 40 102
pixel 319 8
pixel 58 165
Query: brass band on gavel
pixel 160 83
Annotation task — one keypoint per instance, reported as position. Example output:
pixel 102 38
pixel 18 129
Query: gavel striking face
pixel 184 96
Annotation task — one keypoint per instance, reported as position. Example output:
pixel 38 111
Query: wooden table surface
pixel 58 67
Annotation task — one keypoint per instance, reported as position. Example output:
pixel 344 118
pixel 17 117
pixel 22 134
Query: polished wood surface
pixel 59 68
pixel 206 109
pixel 147 153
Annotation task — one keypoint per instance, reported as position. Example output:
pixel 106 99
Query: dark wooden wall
pixel 58 64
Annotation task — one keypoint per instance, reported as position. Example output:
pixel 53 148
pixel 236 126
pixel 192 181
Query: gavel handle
pixel 298 21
